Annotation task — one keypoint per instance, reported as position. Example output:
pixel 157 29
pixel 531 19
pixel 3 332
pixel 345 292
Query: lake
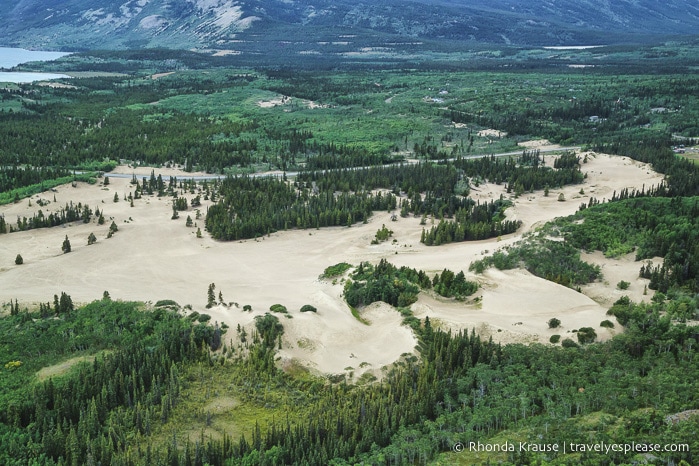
pixel 10 57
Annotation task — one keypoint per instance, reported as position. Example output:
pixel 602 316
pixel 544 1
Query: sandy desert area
pixel 152 257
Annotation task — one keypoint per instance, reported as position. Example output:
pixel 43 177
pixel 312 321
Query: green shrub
pixel 607 324
pixel 555 339
pixel 279 308
pixel 586 335
pixel 554 323
pixel 166 302
pixel 335 270
pixel 623 285
pixel 308 308
pixel 568 343
pixel 204 318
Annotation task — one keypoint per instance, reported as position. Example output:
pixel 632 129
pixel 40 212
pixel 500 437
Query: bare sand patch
pixel 152 257
pixel 485 133
pixel 221 404
pixel 286 100
pixel 143 170
pixel 55 85
pixel 615 270
pixel 515 306
pixel 161 75
pixel 282 100
pixel 62 368
pixel 542 144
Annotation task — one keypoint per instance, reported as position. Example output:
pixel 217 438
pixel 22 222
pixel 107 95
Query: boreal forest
pixel 150 314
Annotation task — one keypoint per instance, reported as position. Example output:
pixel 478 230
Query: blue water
pixel 10 57
pixel 13 57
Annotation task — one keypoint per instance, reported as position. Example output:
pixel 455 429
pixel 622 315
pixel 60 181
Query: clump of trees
pixel 336 270
pixel 586 335
pixel 269 329
pixel 557 261
pixel 384 282
pixel 382 235
pixel 67 214
pixel 450 285
pixel 476 222
pixel 400 286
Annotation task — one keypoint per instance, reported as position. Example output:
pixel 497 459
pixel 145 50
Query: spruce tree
pixel 19 260
pixel 211 296
pixel 66 246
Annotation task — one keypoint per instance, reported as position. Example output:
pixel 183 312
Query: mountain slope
pixel 91 24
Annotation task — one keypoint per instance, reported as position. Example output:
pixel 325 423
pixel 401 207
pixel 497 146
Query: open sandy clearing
pixel 286 100
pixel 62 368
pixel 615 270
pixel 541 144
pixel 161 75
pixel 152 257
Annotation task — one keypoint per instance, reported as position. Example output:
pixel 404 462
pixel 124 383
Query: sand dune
pixel 152 257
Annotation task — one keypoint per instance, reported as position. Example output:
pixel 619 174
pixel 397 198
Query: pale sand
pixel 285 100
pixel 491 133
pixel 161 75
pixel 615 270
pixel 542 144
pixel 152 257
pixel 144 171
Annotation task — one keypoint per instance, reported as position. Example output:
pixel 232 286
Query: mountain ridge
pixel 197 24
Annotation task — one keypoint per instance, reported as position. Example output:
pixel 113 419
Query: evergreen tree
pixel 19 260
pixel 92 239
pixel 211 296
pixel 66 245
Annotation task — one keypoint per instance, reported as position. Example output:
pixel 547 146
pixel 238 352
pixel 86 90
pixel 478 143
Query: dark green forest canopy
pixel 250 207
pixel 462 389
pixel 651 227
pixel 212 121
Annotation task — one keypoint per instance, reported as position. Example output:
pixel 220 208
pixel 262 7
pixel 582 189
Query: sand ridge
pixel 152 257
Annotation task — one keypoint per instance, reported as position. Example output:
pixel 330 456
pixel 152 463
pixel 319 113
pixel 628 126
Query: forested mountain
pixel 258 25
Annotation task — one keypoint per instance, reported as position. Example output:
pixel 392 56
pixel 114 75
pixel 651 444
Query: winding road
pixel 293 174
